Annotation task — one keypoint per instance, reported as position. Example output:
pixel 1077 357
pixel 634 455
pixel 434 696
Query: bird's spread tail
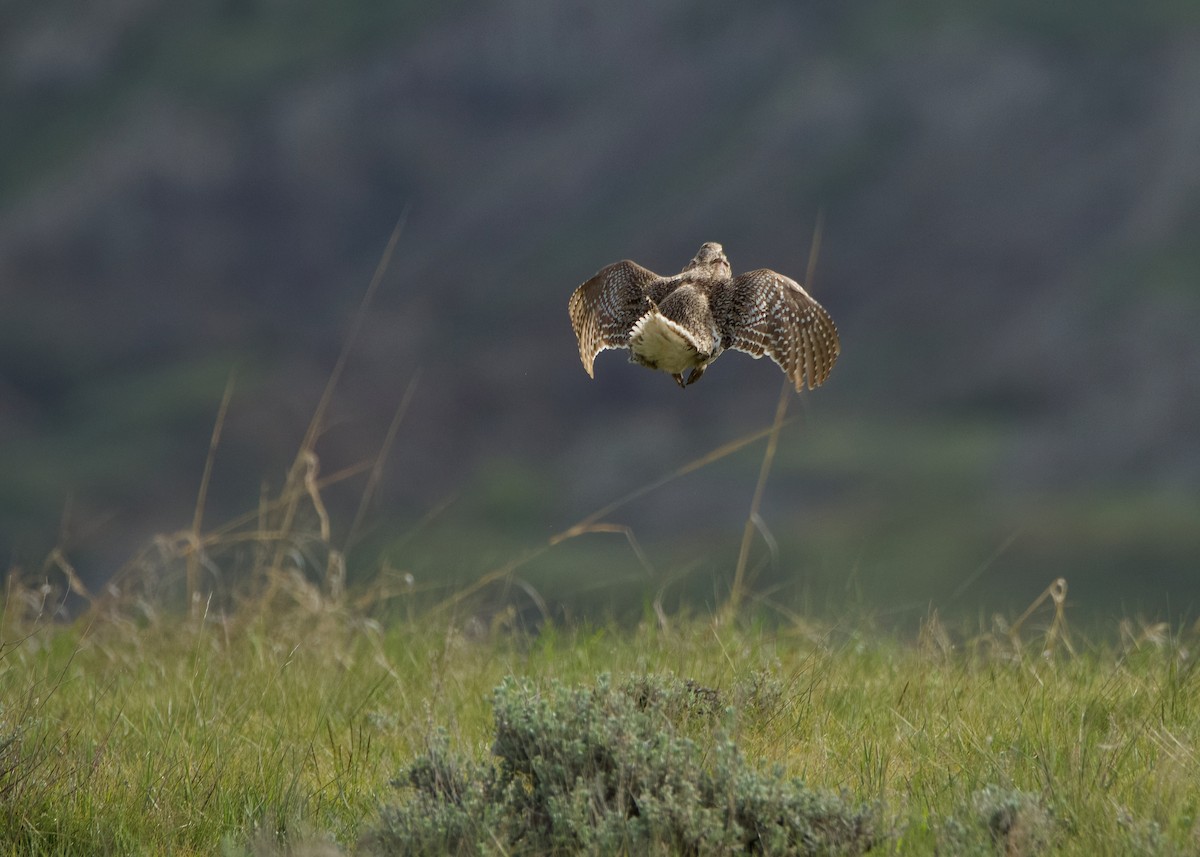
pixel 660 343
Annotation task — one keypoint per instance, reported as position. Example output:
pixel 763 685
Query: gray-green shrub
pixel 606 769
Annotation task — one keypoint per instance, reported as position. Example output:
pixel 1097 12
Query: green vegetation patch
pixel 606 770
pixel 138 731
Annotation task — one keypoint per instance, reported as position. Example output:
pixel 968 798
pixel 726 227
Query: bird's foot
pixel 679 380
pixel 693 376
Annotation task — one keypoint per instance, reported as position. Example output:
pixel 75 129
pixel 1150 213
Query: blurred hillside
pixel 1011 199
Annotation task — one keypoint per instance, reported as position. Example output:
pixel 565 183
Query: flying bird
pixel 682 323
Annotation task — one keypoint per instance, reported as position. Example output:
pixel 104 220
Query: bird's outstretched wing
pixel 605 307
pixel 767 313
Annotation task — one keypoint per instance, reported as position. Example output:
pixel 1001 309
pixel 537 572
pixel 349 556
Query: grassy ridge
pixel 150 735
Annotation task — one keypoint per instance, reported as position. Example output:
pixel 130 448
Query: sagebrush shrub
pixel 1002 821
pixel 606 769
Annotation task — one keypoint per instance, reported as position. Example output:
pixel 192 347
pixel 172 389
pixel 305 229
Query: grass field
pixel 136 732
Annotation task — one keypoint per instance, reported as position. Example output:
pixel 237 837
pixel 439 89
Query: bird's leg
pixel 694 375
pixel 679 380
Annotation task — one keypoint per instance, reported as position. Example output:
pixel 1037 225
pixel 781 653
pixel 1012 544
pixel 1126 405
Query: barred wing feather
pixel 771 314
pixel 603 310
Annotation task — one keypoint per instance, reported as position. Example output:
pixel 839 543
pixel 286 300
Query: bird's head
pixel 711 255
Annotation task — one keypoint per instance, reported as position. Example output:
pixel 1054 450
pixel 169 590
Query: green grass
pixel 135 732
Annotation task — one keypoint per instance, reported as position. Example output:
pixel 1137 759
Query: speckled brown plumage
pixel 684 322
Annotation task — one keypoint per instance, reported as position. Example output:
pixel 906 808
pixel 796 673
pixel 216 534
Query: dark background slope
pixel 1011 199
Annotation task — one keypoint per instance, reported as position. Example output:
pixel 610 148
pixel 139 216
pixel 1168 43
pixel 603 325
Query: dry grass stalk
pixel 316 425
pixel 380 459
pixel 754 520
pixel 193 567
pixel 738 589
pixel 1056 592
pixel 1005 639
pixel 281 545
pixel 593 523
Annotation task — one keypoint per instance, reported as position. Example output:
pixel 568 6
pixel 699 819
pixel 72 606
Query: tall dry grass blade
pixel 377 468
pixel 260 517
pixel 267 507
pixel 621 529
pixel 312 466
pixel 695 464
pixel 335 564
pixel 768 539
pixel 814 248
pixel 316 424
pixel 57 559
pixel 1056 593
pixel 737 591
pixel 193 560
pixel 982 568
pixel 589 523
pixel 291 490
